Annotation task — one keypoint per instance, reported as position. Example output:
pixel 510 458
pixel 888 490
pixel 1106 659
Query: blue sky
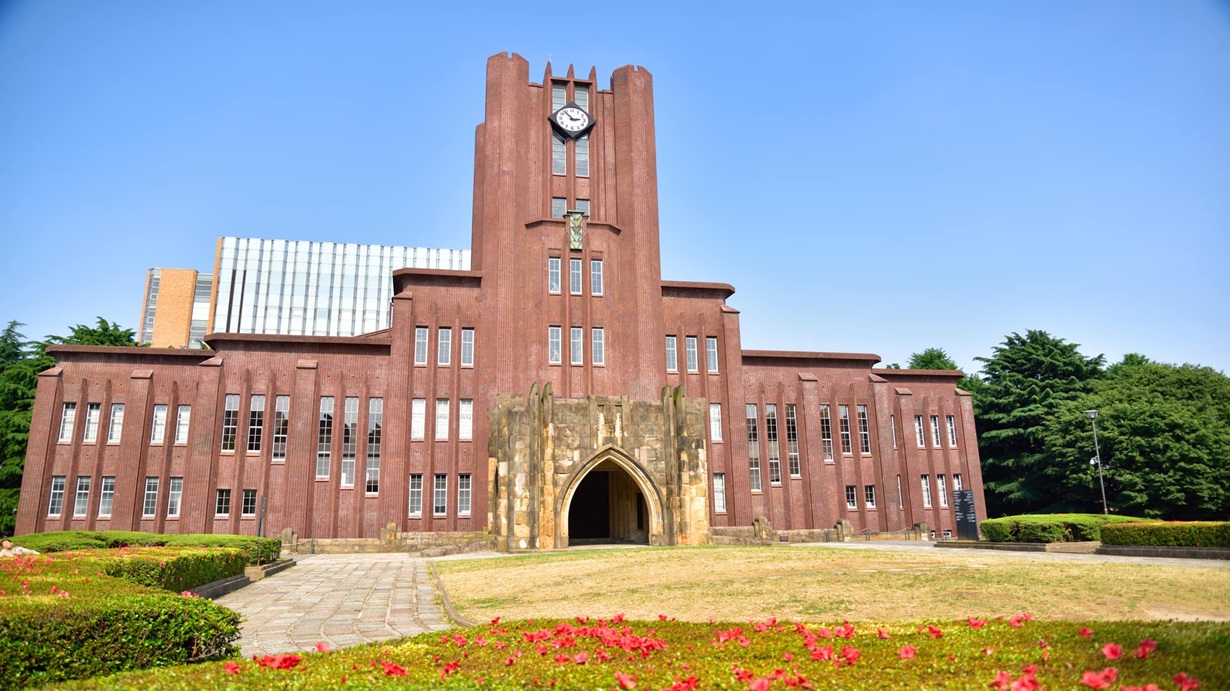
pixel 873 177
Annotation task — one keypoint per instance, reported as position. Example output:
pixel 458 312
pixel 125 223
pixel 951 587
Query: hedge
pixel 258 550
pixel 1061 527
pixel 1176 534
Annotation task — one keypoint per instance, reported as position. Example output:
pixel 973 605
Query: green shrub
pixel 1189 534
pixel 181 569
pixel 258 550
pixel 1069 527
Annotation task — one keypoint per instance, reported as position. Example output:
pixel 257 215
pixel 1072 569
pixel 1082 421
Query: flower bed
pixel 1169 534
pixel 1013 653
pixel 258 550
pixel 1060 527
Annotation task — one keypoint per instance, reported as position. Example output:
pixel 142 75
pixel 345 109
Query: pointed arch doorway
pixel 610 500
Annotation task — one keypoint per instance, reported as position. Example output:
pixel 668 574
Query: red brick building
pixel 560 389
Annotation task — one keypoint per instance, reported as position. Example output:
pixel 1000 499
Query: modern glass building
pixel 176 308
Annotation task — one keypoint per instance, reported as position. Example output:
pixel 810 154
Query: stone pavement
pixel 340 599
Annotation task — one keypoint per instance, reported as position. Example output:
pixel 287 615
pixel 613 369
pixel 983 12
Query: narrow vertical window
pixel 463 494
pixel 770 433
pixel 66 421
pixel 116 426
pixel 826 432
pixel 249 503
pixel 222 503
pixel 918 430
pixel 892 422
pixel 416 494
pixel 444 352
pixel 843 420
pixel 183 420
pixel 582 156
pixel 851 497
pixel 715 422
pixel 158 426
pixel 230 422
pixel 559 155
pixel 952 431
pixel 375 418
pixel 583 207
pixel 792 440
pixel 324 437
pixel 553 277
pixel 106 497
pixel 672 359
pixel 554 347
pixel 711 358
pixel 900 495
pixel 559 95
pixel 81 501
pixel 576 346
pixel 942 489
pixel 689 343
pixel 869 496
pixel 935 431
pixel 420 345
pixel 149 507
pixel 559 207
pixel 439 498
pixel 581 96
pixel 256 424
pixel 926 491
pixel 56 506
pixel 467 347
pixel 350 439
pixel 441 419
pixel 175 490
pixel 465 419
pixel 753 447
pixel 574 276
pixel 281 426
pixel 864 430
pixel 418 418
pixel 598 347
pixel 595 277
pixel 719 492
pixel 93 411
pixel 956 483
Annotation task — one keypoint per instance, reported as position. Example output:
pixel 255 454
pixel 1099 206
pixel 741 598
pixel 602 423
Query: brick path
pixel 340 599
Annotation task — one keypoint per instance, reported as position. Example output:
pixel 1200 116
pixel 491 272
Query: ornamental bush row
pixel 258 550
pixel 1189 534
pixel 1062 527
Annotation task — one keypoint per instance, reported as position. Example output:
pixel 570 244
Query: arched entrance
pixel 610 500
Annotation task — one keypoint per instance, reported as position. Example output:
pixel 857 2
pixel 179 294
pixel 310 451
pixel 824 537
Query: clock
pixel 571 120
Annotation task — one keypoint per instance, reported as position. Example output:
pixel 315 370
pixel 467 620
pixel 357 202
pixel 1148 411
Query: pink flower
pixel 625 681
pixel 1185 682
pixel 1002 680
pixel 231 668
pixel 907 652
pixel 287 661
pixel 1146 687
pixel 850 654
pixel 1099 680
pixel 1112 651
pixel 881 633
pixel 761 684
pixel 322 647
pixel 935 631
pixel 393 670
pixel 976 624
pixel 1084 632
pixel 1146 646
pixel 581 657
pixel 561 659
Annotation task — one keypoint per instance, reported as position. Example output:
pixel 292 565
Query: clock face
pixel 572 120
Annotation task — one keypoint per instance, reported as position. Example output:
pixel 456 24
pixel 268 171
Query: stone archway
pixel 633 508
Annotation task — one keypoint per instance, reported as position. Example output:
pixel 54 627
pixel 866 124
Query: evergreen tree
pixel 937 358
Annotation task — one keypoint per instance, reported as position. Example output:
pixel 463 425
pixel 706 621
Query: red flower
pixel 322 647
pixel 1099 680
pixel 1146 646
pixel 1112 651
pixel 1146 687
pixel 450 667
pixel 760 684
pixel 850 654
pixel 988 651
pixel 393 670
pixel 1084 632
pixel 509 660
pixel 495 622
pixel 1015 622
pixel 231 668
pixel 788 657
pixel 1002 680
pixel 581 657
pixel 625 681
pixel 459 639
pixel 822 654
pixel 976 624
pixel 561 659
pixel 935 631
pixel 881 633
pixel 1185 682
pixel 741 674
pixel 907 652
pixel 287 661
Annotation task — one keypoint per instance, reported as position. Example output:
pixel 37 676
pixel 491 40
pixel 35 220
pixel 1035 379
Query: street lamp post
pixel 1097 458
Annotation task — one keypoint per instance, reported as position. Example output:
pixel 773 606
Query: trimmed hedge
pixel 1188 534
pixel 1062 527
pixel 258 550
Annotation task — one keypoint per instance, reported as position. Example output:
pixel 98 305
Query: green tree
pixel 104 334
pixel 1025 381
pixel 937 358
pixel 1164 433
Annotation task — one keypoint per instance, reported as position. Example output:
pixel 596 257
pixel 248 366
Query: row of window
pixel 576 276
pixel 444 346
pixel 559 207
pixel 942 488
pixel 690 355
pixel 771 437
pixel 439 495
pixel 115 424
pixel 559 147
pixel 576 345
pixel 921 434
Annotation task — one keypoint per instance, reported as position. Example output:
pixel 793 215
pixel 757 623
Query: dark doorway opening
pixel 590 515
pixel 608 507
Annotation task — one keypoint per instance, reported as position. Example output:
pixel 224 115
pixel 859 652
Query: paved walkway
pixel 340 599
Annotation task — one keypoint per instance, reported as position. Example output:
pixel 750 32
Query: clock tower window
pixel 559 95
pixel 559 207
pixel 581 165
pixel 559 156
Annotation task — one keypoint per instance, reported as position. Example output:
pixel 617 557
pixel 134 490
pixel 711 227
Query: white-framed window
pixel 56 506
pixel 441 419
pixel 892 421
pixel 439 495
pixel 711 358
pixel 230 421
pixel 324 437
pixel 375 420
pixel 553 277
pixel 770 434
pixel 281 426
pixel 792 440
pixel 106 496
pixel 248 508
pixel 465 419
pixel 900 494
pixel 581 150
pixel 576 346
pixel 672 357
pixel 444 352
pixel 952 431
pixel 416 494
pixel 595 277
pixel 852 497
pixel 463 494
pixel 956 482
pixel 256 423
pixel 935 431
pixel 689 344
pixel 826 432
pixel 843 421
pixel 918 430
pixel 598 347
pixel 175 490
pixel 81 501
pixel 559 155
pixel 93 411
pixel 115 427
pixel 583 207
pixel 926 490
pixel 418 418
pixel 67 418
pixel 559 207
pixel 183 418
pixel 467 347
pixel 149 506
pixel 753 447
pixel 574 276
pixel 554 348
pixel 350 439
pixel 559 95
pixel 158 427
pixel 941 487
pixel 869 496
pixel 222 503
pixel 864 430
pixel 719 492
pixel 715 422
pixel 420 345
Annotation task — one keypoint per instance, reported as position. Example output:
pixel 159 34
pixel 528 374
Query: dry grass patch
pixel 825 584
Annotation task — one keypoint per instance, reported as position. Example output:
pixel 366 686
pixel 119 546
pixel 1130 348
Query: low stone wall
pixel 1054 547
pixel 414 542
